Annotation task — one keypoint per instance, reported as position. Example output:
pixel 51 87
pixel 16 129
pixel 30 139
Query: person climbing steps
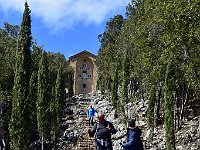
pixel 102 131
pixel 90 114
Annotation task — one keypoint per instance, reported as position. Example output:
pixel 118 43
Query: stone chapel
pixel 85 72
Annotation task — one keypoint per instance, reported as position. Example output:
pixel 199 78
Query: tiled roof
pixel 81 54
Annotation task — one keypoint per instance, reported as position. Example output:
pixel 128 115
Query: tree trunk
pixel 157 108
pixel 42 142
pixel 182 107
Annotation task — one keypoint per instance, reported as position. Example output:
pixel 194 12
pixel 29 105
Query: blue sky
pixel 65 26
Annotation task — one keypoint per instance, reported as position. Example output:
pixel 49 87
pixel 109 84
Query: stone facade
pixel 85 72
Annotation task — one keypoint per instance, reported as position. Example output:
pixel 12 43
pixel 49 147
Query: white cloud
pixel 59 14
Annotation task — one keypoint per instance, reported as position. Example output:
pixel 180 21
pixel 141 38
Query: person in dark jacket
pixel 102 131
pixel 134 141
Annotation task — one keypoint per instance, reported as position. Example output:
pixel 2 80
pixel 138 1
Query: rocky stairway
pixel 77 121
pixel 85 142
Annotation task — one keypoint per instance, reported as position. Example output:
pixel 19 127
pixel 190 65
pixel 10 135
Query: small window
pixel 84 60
pixel 84 72
pixel 79 75
pixel 84 85
pixel 84 65
pixel 89 76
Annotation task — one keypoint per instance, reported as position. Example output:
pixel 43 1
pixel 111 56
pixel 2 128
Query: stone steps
pixel 84 142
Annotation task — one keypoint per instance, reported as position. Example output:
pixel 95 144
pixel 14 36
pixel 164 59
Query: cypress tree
pixel 19 123
pixel 57 103
pixel 150 111
pixel 32 105
pixel 60 91
pixel 125 82
pixel 71 83
pixel 169 95
pixel 42 99
pixel 115 88
pixel 54 115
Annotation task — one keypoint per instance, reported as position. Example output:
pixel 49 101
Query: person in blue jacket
pixel 134 141
pixel 90 114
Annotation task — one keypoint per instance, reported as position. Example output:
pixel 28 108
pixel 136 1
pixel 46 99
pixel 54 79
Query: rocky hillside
pixel 187 138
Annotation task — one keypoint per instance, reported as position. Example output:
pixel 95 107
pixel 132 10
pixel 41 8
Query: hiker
pixel 102 131
pixel 134 141
pixel 90 114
